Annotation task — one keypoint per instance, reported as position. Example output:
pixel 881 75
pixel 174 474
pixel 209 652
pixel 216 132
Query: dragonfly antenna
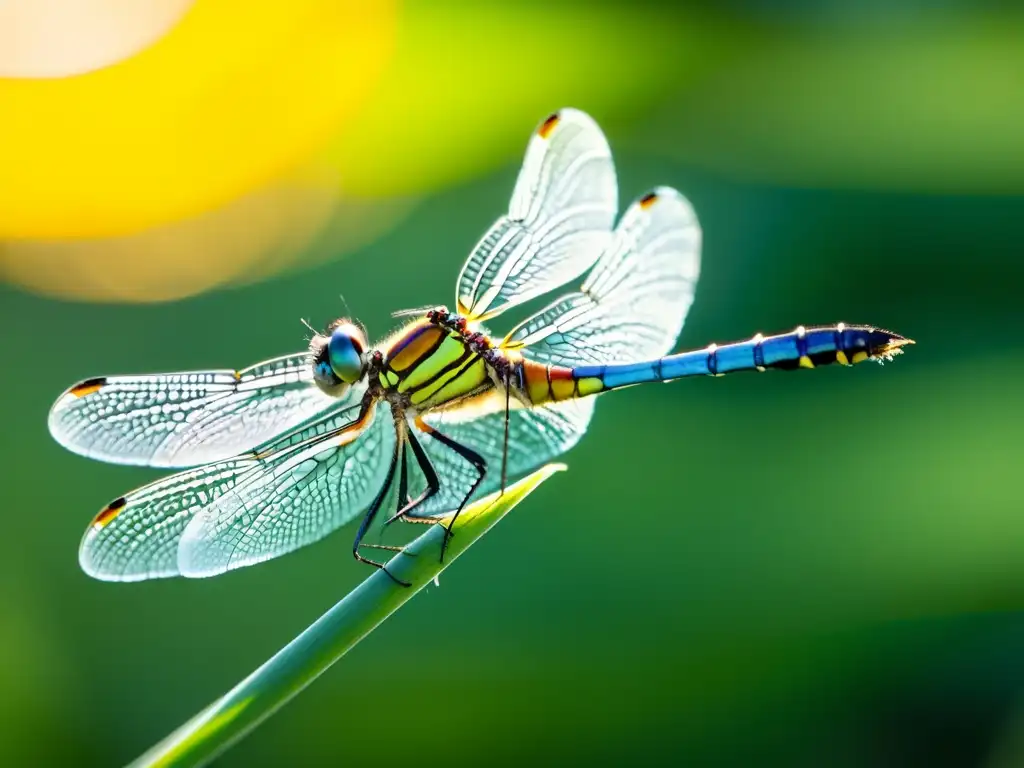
pixel 411 312
pixel 348 309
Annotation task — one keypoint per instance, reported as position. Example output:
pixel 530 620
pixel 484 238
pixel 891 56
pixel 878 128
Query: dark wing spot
pixel 548 126
pixel 109 512
pixel 87 387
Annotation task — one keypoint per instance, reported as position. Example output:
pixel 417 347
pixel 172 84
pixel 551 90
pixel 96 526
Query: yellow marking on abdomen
pixel 589 385
pixel 841 357
pixel 562 390
pixel 859 357
pixel 538 388
pixel 563 386
pixel 805 362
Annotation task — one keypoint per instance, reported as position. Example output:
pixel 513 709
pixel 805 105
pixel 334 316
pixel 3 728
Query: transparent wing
pixel 560 218
pixel 139 536
pixel 136 536
pixel 536 436
pixel 633 303
pixel 185 419
pixel 294 499
pixel 631 308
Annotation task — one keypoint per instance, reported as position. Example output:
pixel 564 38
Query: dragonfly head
pixel 338 356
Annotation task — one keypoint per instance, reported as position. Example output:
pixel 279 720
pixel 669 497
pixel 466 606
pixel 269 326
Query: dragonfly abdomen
pixel 801 348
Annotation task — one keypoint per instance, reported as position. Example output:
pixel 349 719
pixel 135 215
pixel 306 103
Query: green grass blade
pixel 324 642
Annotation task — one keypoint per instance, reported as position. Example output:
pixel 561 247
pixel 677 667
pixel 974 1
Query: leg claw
pixel 395 579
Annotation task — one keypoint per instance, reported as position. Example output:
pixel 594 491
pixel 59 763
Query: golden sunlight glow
pixel 56 38
pixel 248 239
pixel 233 97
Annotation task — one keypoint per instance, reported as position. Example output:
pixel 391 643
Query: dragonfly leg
pixel 403 481
pixel 371 513
pixel 474 458
pixel 504 450
pixel 388 547
pixel 404 501
pixel 429 473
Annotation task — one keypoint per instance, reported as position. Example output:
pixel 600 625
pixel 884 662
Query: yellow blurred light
pixel 233 97
pixel 247 240
pixel 56 38
pixel 161 177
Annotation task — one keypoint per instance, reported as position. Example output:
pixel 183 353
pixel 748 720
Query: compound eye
pixel 345 352
pixel 323 374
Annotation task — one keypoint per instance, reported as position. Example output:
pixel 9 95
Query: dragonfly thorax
pixel 431 362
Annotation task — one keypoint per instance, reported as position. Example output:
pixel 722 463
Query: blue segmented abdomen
pixel 801 348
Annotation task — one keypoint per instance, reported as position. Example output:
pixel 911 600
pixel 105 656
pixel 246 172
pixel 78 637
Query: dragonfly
pixel 279 455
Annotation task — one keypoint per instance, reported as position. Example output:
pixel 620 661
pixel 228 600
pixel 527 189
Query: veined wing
pixel 560 218
pixel 295 499
pixel 136 536
pixel 631 308
pixel 188 418
pixel 536 436
pixel 633 303
pixel 139 536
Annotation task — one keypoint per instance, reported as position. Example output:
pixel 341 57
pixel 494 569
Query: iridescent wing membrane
pixel 630 308
pixel 265 495
pixel 139 536
pixel 558 223
pixel 185 419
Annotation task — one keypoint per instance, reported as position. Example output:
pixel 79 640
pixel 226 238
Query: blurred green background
pixel 795 569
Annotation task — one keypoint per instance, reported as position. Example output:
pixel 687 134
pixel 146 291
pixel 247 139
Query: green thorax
pixel 432 366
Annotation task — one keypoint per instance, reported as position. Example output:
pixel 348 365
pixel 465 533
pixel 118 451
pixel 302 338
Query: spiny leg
pixel 403 481
pixel 504 450
pixel 474 458
pixel 404 502
pixel 429 473
pixel 371 513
